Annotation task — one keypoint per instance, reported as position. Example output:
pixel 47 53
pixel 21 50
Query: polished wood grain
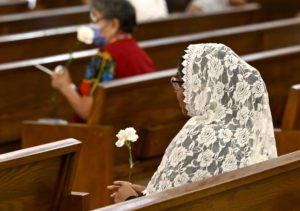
pixel 291 115
pixel 277 67
pixel 13 6
pixel 19 46
pixel 176 23
pixel 38 178
pixel 44 19
pixel 94 171
pixel 287 141
pixel 270 185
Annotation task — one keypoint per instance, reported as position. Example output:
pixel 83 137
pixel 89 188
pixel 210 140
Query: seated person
pixel 211 5
pixel 230 126
pixel 150 9
pixel 119 55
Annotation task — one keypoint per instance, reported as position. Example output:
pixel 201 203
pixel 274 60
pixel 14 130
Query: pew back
pixel 38 178
pixel 95 163
pixel 287 141
pixel 292 109
pixel 48 42
pixel 176 23
pixel 274 183
pixel 275 66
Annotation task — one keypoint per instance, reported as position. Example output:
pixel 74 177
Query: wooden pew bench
pixel 40 178
pixel 13 6
pixel 47 42
pixel 275 66
pixel 95 163
pixel 277 9
pixel 291 118
pixel 37 20
pixel 270 185
pixel 175 23
pixel 242 39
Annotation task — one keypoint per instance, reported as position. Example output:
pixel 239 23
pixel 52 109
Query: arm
pixel 81 104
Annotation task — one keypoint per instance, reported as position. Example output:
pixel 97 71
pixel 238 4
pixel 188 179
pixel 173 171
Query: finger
pixel 113 195
pixel 120 183
pixel 113 187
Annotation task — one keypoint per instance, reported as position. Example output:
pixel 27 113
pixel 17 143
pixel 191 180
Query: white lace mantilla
pixel 231 125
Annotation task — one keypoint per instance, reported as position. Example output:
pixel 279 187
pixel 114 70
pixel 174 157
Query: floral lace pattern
pixel 231 125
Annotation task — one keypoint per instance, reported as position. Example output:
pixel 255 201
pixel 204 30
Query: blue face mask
pixel 98 40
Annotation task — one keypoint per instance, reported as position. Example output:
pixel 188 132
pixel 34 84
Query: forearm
pixel 82 105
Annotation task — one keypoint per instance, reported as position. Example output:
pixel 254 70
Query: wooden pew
pixel 277 9
pixel 270 185
pixel 242 39
pixel 95 163
pixel 37 20
pixel 177 5
pixel 276 67
pixel 287 141
pixel 13 6
pixel 292 109
pixel 176 23
pixel 39 178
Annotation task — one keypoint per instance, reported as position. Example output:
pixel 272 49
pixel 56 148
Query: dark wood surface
pixel 176 23
pixel 287 141
pixel 277 8
pixel 13 6
pixel 291 115
pixel 38 20
pixel 278 68
pixel 270 185
pixel 38 178
pixel 94 169
pixel 165 51
pixel 48 42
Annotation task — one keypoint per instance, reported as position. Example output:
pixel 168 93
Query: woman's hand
pixel 61 80
pixel 122 190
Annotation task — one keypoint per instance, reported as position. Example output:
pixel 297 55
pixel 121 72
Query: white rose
pixel 181 179
pixel 205 158
pixel 230 163
pixel 200 174
pixel 219 90
pixel 242 136
pixel 220 113
pixel 231 62
pixel 164 185
pixel 207 136
pixel 258 89
pixel 243 115
pixel 129 134
pixel 85 34
pixel 225 135
pixel 177 155
pixel 215 68
pixel 242 92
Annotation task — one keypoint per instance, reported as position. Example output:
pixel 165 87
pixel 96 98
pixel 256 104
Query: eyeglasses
pixel 94 18
pixel 176 82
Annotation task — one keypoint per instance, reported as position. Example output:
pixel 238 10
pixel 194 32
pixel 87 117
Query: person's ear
pixel 115 25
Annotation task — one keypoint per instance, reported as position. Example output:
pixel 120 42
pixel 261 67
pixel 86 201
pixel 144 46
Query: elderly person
pixel 119 56
pixel 211 5
pixel 230 125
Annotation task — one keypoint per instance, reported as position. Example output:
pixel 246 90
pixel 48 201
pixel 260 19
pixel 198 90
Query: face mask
pixel 91 34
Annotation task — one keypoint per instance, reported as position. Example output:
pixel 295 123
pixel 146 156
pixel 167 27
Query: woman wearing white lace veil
pixel 230 125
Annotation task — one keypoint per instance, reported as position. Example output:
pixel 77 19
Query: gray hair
pixel 119 9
